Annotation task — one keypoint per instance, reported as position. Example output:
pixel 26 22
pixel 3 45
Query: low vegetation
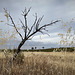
pixel 67 49
pixel 38 63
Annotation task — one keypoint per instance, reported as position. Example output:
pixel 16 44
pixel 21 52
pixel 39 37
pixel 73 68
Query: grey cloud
pixel 51 9
pixel 28 45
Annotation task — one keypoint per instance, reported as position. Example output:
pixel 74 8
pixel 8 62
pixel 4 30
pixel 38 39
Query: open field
pixel 39 63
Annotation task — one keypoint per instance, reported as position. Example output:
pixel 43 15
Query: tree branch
pixel 33 24
pixel 25 13
pixel 21 22
pixel 48 24
pixel 39 30
pixel 38 22
pixel 15 27
pixel 13 23
pixel 10 25
pixel 25 26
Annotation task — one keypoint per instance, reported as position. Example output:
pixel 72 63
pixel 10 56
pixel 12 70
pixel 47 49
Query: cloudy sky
pixel 51 9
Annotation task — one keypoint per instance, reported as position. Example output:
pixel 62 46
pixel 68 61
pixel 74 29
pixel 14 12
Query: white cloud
pixel 54 38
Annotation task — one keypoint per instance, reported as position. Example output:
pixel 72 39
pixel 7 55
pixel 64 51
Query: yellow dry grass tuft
pixel 40 63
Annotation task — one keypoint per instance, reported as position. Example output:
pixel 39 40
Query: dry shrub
pixel 20 58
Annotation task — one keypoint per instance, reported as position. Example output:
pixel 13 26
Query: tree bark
pixel 19 48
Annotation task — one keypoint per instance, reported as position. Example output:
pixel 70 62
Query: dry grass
pixel 40 63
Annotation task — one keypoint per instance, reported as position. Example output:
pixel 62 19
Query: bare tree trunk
pixel 19 48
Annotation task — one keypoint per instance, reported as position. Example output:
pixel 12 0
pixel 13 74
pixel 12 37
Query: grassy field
pixel 38 63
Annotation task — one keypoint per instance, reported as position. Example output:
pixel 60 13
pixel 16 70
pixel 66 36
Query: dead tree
pixel 28 32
